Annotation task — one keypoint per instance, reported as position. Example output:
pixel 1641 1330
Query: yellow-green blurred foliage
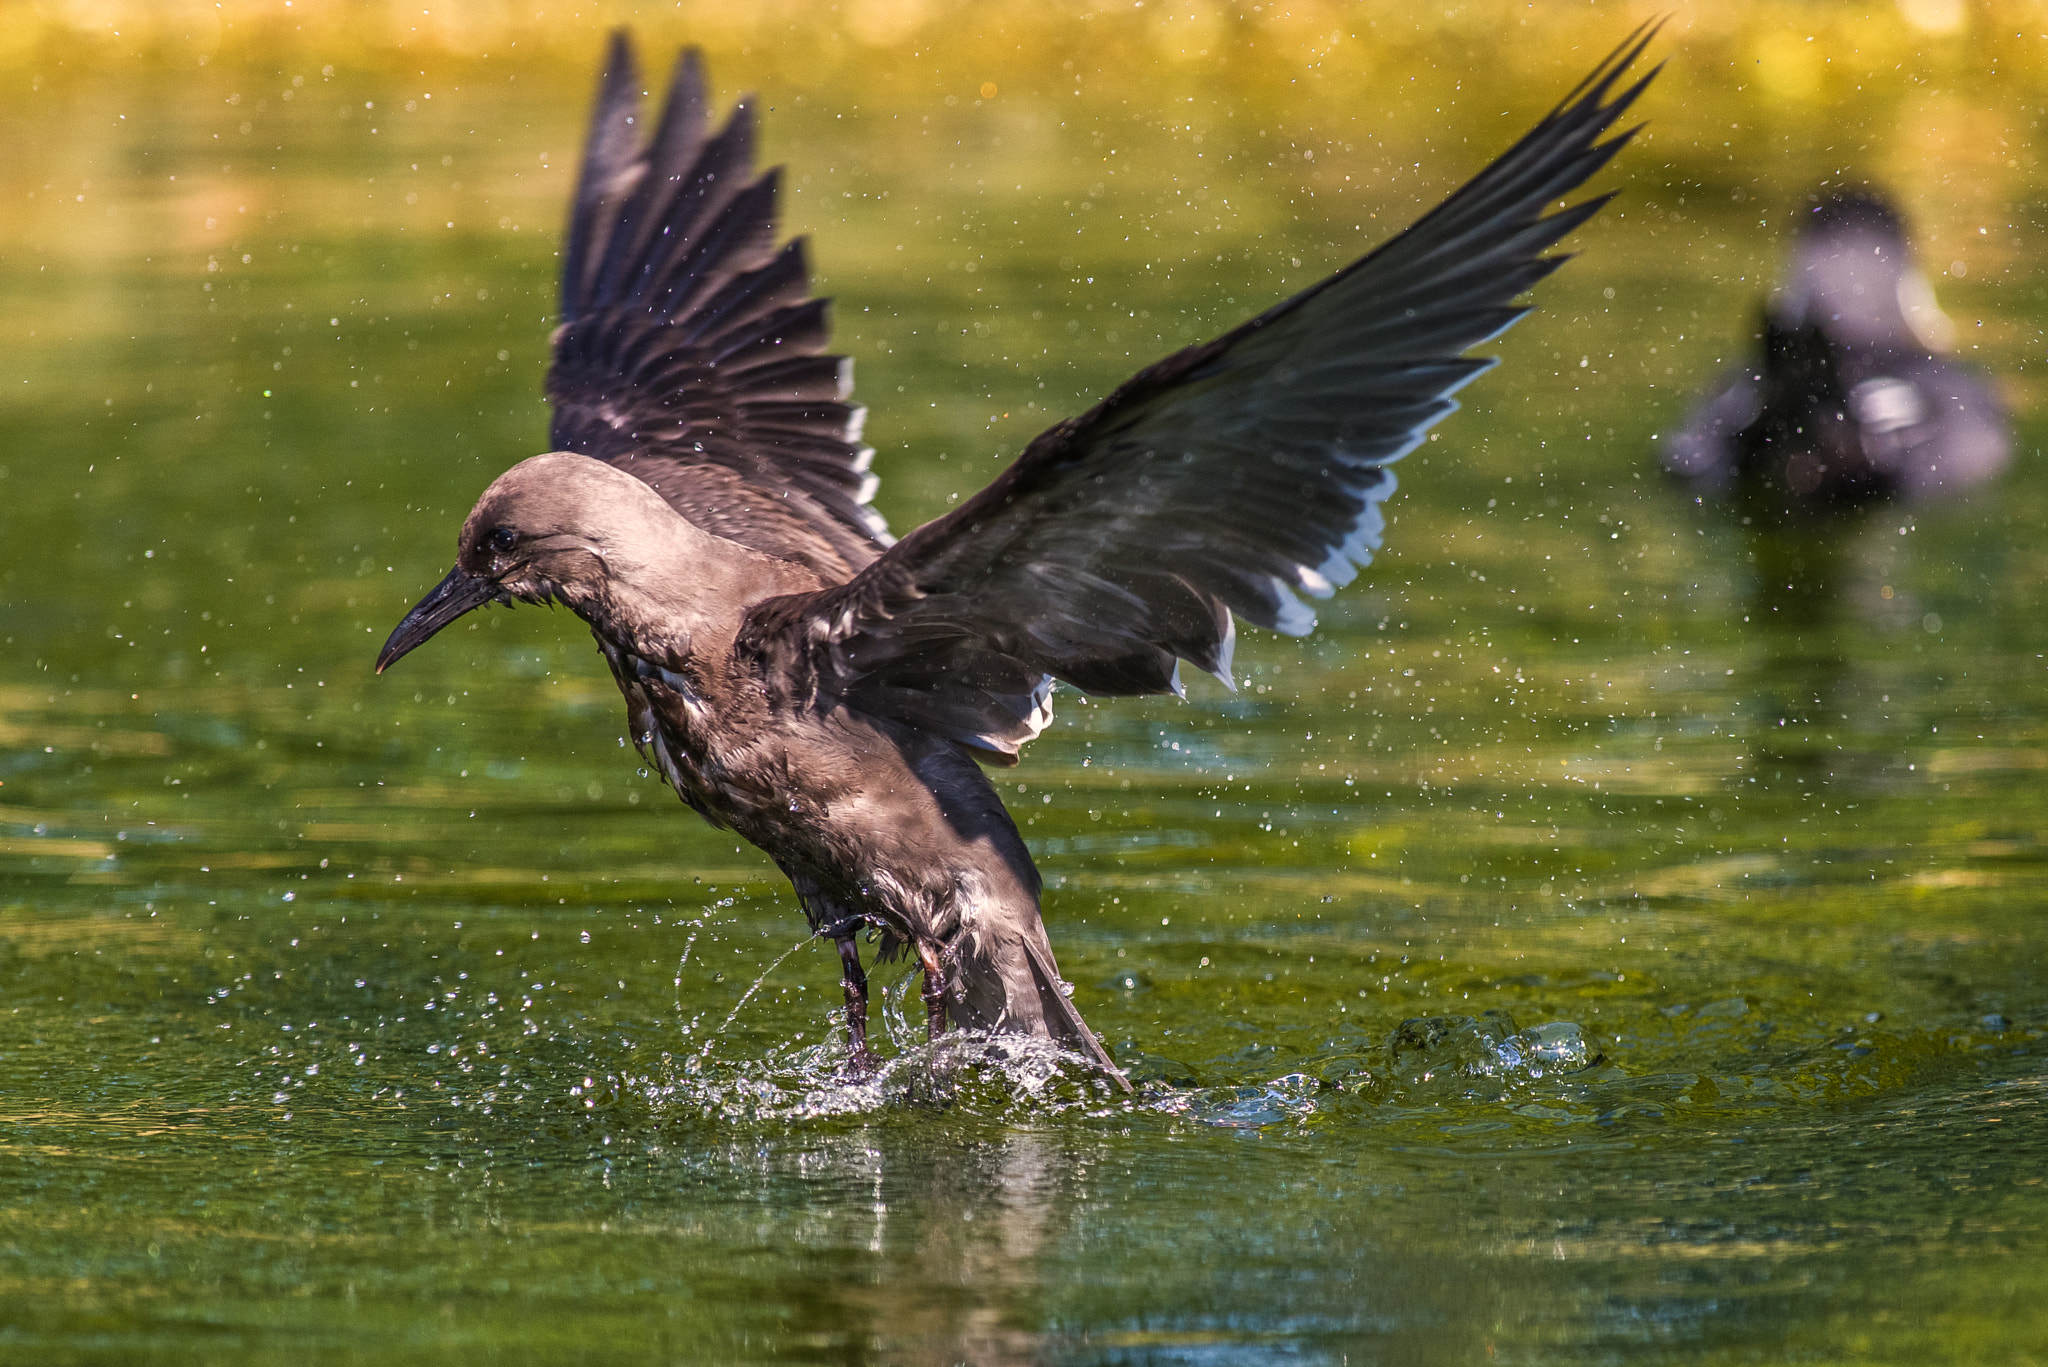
pixel 1802 56
pixel 1934 97
pixel 992 151
pixel 1799 51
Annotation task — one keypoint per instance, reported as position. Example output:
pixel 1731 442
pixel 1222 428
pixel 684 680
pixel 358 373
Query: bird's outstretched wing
pixel 1226 478
pixel 690 351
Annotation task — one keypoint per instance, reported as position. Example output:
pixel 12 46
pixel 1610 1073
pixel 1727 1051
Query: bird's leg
pixel 855 981
pixel 934 991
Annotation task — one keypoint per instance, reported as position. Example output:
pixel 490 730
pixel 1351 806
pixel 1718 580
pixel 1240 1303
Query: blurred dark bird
pixel 1850 402
pixel 826 693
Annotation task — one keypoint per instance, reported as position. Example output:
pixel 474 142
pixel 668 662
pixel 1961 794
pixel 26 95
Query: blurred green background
pixel 403 1019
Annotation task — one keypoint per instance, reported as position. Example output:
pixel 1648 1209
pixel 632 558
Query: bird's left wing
pixel 691 353
pixel 1227 478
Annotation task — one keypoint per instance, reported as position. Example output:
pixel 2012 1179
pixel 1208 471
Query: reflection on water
pixel 1615 936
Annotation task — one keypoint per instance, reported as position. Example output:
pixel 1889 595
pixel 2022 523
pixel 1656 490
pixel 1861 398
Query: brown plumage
pixel 826 694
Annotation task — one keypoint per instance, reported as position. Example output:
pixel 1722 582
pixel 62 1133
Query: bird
pixel 1851 402
pixel 833 695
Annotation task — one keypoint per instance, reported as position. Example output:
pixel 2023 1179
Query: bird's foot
pixel 934 992
pixel 860 1061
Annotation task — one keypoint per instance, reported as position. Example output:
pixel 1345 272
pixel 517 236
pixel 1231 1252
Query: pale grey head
pixel 558 528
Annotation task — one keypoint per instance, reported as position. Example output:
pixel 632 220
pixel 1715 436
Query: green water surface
pixel 402 1019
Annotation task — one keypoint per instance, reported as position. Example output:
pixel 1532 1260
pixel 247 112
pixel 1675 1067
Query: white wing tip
pixel 1344 562
pixel 1041 709
pixel 877 526
pixel 1226 651
pixel 1295 617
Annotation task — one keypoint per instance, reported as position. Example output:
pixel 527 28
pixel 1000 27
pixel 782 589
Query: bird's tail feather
pixel 1004 979
pixel 1059 1012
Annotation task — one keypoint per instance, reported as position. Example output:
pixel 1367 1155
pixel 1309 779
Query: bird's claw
pixel 934 992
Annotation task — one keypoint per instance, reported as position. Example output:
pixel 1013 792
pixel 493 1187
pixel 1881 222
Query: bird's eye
pixel 502 539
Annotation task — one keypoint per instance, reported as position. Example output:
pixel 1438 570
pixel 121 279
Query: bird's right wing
pixel 1225 479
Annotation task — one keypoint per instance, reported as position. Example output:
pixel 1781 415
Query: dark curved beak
pixel 458 593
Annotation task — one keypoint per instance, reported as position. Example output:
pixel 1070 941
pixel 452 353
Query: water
pixel 1581 949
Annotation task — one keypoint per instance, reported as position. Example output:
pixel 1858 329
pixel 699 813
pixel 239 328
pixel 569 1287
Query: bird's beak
pixel 448 600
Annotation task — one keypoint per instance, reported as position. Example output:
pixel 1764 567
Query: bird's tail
pixel 1003 978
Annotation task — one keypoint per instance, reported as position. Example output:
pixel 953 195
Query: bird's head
pixel 1852 274
pixel 556 528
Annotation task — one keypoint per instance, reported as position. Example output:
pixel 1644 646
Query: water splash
pixel 1461 1049
pixel 966 1073
pixel 1292 1097
pixel 748 995
pixel 1425 1060
pixel 697 928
